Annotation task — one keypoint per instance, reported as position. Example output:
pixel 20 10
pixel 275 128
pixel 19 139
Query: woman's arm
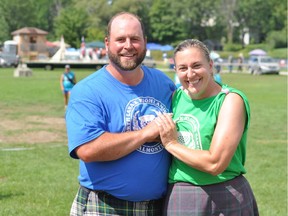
pixel 61 82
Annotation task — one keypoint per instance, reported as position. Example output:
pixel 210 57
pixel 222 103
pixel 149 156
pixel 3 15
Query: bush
pixel 232 47
pixel 277 39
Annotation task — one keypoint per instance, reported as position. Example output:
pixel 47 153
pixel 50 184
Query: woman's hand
pixel 167 129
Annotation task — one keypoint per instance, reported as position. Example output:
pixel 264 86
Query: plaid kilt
pixel 230 198
pixel 95 203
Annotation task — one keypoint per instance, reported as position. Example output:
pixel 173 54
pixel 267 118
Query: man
pixel 123 166
pixel 67 81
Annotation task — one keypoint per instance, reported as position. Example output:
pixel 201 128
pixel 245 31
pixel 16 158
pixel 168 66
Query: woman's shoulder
pixel 226 89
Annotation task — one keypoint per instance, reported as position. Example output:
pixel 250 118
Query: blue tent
pixel 95 44
pixel 153 46
pixel 166 47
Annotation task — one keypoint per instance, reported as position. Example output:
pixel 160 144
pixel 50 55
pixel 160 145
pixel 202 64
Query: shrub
pixel 277 39
pixel 232 47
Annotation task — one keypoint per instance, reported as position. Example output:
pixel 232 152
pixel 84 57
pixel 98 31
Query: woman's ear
pixel 211 63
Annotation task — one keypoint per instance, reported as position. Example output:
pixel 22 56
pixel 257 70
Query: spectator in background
pixel 165 57
pixel 240 62
pixel 230 63
pixel 67 82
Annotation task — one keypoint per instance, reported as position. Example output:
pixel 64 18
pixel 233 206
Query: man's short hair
pixel 108 30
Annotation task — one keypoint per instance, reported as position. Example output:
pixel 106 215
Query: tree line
pixel 166 21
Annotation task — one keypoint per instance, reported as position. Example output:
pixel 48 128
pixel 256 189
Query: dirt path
pixel 33 130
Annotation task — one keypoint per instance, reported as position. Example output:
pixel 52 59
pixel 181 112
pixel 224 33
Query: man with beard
pixel 110 128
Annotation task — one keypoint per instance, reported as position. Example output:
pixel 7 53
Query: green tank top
pixel 196 121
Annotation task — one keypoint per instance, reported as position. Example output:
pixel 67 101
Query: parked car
pixel 263 65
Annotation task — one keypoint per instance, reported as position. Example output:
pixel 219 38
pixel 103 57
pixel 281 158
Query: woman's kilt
pixel 230 198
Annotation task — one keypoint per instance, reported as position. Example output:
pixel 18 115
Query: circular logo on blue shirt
pixel 138 113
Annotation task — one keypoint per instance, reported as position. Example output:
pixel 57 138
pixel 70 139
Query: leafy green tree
pixel 47 10
pixel 18 13
pixel 166 21
pixel 165 28
pixel 72 23
pixel 201 19
pixel 4 33
pixel 99 13
pixel 227 18
pixel 30 13
pixel 257 16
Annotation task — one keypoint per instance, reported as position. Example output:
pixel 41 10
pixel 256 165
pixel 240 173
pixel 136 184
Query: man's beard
pixel 126 65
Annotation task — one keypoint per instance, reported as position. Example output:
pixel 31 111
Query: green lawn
pixel 37 177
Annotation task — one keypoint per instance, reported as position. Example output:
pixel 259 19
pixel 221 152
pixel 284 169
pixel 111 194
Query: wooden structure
pixel 31 42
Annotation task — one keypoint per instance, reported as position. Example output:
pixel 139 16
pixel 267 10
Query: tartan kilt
pixel 95 203
pixel 230 198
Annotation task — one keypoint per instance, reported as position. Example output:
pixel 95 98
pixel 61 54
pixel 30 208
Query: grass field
pixel 37 177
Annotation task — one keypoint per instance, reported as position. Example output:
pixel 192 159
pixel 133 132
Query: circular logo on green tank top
pixel 188 131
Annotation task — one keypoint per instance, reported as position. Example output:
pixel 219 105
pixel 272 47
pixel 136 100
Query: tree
pixel 4 33
pixel 259 23
pixel 99 13
pixel 227 14
pixel 47 10
pixel 166 21
pixel 72 23
pixel 18 14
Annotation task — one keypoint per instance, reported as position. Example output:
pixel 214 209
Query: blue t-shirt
pixel 67 77
pixel 100 103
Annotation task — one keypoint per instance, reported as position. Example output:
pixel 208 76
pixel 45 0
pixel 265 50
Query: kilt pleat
pixel 230 198
pixel 99 203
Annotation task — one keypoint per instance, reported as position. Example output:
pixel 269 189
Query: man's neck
pixel 132 77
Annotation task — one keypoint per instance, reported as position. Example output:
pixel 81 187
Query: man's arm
pixel 112 146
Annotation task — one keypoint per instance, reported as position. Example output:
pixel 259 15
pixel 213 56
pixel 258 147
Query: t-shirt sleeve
pixel 84 122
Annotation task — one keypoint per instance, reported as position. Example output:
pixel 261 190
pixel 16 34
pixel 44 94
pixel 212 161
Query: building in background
pixel 31 42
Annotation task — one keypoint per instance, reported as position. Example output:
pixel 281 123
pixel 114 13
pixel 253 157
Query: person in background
pixel 207 137
pixel 240 62
pixel 67 82
pixel 217 77
pixel 110 128
pixel 217 66
pixel 230 63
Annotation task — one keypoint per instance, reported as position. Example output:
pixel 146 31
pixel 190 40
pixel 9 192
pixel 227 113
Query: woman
pixel 207 137
pixel 67 81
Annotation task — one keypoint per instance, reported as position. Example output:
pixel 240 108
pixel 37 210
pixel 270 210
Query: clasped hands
pixel 163 128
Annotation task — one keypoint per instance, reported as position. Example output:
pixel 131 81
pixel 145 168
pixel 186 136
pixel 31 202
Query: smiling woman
pixel 207 161
pixel 195 74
